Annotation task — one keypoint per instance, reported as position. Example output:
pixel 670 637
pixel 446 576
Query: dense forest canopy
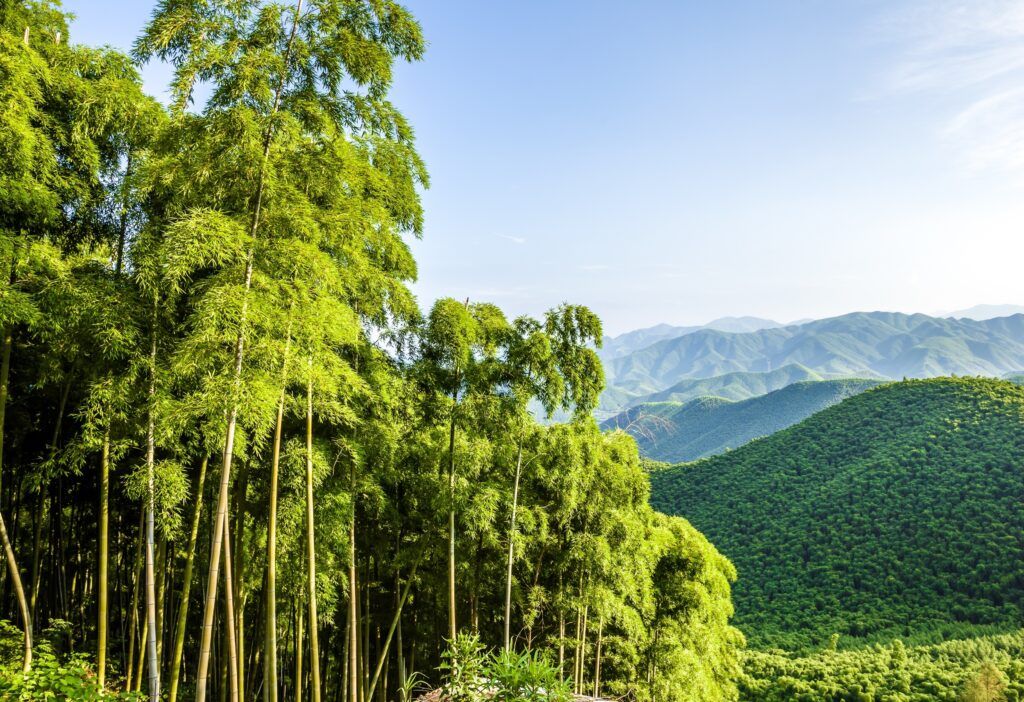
pixel 238 461
pixel 976 669
pixel 894 514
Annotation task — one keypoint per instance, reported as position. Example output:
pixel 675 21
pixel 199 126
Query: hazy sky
pixel 681 161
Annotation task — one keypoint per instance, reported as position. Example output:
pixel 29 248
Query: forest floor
pixel 438 696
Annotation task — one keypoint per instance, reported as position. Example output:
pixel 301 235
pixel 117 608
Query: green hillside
pixel 896 513
pixel 686 431
pixel 740 385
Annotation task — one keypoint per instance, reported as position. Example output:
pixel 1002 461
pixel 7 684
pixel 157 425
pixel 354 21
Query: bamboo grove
pixel 238 462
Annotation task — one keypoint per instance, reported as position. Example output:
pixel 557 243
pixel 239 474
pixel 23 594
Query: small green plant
pixel 463 666
pixel 413 682
pixel 525 677
pixel 472 674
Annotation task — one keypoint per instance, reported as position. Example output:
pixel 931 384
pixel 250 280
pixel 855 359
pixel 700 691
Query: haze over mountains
pixel 874 345
pixel 986 312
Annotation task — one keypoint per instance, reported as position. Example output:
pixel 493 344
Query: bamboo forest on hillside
pixel 238 461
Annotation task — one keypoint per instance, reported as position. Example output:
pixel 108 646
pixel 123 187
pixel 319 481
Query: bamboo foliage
pixel 236 458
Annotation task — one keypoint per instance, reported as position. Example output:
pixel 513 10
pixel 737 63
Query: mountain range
pixel 871 345
pixel 627 343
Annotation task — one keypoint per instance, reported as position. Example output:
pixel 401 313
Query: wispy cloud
pixel 595 267
pixel 514 239
pixel 971 54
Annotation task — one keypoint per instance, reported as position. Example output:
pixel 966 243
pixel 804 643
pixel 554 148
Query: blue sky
pixel 680 161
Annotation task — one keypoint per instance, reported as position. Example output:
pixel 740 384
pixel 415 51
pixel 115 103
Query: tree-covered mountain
pixel 882 345
pixel 623 344
pixel 896 513
pixel 740 385
pixel 686 431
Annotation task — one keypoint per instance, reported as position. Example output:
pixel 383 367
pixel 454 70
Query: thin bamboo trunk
pixel 364 646
pixel 239 580
pixel 314 644
pixel 400 651
pixel 582 657
pixel 270 625
pixel 134 625
pixel 186 587
pixel 19 591
pixel 452 628
pixel 229 615
pixel 561 630
pixel 161 593
pixel 5 373
pixel 353 594
pixel 229 443
pixel 597 658
pixel 12 565
pixel 298 655
pixel 512 545
pixel 103 587
pixel 153 660
pixel 140 662
pixel 343 691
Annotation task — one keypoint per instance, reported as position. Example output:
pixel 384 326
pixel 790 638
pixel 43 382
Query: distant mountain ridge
pixel 730 386
pixel 622 344
pixel 983 312
pixel 874 345
pixel 676 432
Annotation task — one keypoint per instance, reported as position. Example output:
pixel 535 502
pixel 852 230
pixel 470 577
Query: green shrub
pixel 463 666
pixel 525 677
pixel 69 678
pixel 473 674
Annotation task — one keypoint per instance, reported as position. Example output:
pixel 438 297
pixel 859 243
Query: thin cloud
pixel 595 267
pixel 514 239
pixel 970 54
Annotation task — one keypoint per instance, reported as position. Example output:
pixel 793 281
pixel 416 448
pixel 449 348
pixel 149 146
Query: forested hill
pixel 897 512
pixel 623 344
pixel 883 345
pixel 686 431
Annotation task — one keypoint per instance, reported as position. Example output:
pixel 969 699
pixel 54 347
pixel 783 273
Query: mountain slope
pixel 896 513
pixel 883 345
pixel 686 431
pixel 729 386
pixel 623 344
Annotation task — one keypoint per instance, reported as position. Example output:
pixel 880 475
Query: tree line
pixel 237 461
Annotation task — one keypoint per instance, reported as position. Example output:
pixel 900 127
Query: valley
pixel 871 500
